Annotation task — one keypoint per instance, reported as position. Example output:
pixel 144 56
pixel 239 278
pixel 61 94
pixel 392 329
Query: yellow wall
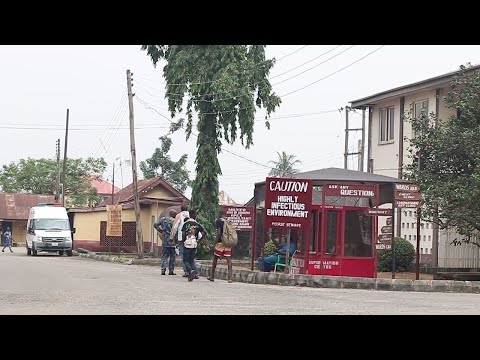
pixel 19 233
pixel 87 225
pixel 160 193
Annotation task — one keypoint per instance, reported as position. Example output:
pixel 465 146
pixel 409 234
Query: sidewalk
pixel 244 274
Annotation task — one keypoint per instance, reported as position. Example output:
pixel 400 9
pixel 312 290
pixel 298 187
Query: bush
pixel 404 255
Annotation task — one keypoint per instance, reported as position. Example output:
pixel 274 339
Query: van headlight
pixel 68 238
pixel 39 238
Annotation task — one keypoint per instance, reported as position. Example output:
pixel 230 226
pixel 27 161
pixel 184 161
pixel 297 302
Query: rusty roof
pixel 144 186
pixel 17 206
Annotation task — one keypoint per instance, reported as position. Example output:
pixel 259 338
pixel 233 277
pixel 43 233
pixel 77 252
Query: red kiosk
pixel 328 214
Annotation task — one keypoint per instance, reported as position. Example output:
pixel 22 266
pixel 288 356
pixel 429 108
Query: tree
pixel 38 176
pixel 161 165
pixel 223 85
pixel 285 166
pixel 449 177
pixel 404 256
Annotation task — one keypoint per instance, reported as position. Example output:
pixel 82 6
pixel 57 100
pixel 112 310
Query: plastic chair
pixel 280 264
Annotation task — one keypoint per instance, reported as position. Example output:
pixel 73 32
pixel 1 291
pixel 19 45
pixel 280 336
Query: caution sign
pixel 114 220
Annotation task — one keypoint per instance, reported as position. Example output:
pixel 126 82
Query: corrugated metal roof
pixel 144 186
pixel 17 206
pixel 103 187
pixel 345 175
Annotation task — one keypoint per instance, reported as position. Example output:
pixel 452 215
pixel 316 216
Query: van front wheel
pixel 69 252
pixel 34 251
pixel 60 253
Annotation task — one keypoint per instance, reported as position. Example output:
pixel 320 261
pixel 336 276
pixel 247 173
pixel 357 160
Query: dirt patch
pixel 404 275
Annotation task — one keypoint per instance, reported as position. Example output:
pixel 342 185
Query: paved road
pixel 49 284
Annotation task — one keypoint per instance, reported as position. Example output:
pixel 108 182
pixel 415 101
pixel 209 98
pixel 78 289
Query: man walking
pixel 220 250
pixel 8 240
pixel 192 233
pixel 164 227
pixel 176 231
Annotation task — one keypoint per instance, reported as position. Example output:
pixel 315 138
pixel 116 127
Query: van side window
pixel 31 225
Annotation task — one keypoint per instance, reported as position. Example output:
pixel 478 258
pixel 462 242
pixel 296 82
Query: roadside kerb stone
pixel 366 284
pixel 318 281
pixel 423 285
pixel 442 285
pixel 475 287
pixel 383 284
pixel 333 282
pixel 461 286
pixel 349 282
pixel 402 285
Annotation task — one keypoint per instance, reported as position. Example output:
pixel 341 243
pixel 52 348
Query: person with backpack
pixel 176 230
pixel 192 233
pixel 164 227
pixel 225 239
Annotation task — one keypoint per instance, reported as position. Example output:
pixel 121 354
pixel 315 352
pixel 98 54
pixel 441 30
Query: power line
pixel 331 74
pixel 259 83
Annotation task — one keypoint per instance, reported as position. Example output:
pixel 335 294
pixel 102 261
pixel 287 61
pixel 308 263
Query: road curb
pixel 317 281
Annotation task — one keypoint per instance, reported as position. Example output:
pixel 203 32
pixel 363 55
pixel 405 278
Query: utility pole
pixel 113 180
pixel 360 152
pixel 419 215
pixel 57 184
pixel 360 158
pixel 345 155
pixel 64 178
pixel 134 167
pixel 362 149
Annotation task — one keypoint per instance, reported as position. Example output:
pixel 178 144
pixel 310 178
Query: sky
pixel 40 83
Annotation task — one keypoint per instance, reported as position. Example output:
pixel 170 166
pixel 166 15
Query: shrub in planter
pixel 404 256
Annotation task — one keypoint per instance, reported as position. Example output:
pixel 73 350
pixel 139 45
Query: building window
pixel 410 237
pixel 422 225
pixel 415 213
pixel 410 213
pixel 405 237
pixel 413 225
pixel 421 250
pixel 405 213
pixel 428 225
pixel 424 237
pixel 403 225
pixel 414 237
pixel 408 225
pixel 429 238
pixel 386 124
pixel 419 106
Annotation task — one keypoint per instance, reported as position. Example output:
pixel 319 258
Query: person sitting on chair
pixel 268 263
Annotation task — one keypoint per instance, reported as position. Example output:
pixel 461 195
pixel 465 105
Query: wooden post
pixel 134 168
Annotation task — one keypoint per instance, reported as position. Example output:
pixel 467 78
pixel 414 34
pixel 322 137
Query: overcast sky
pixel 40 82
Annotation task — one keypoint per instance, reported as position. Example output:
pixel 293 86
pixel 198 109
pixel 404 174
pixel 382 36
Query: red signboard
pixel 288 203
pixel 378 212
pixel 352 190
pixel 240 216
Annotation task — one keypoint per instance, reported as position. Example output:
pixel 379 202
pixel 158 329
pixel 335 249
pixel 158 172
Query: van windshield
pixel 51 224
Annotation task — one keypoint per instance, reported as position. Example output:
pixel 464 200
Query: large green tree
pixel 449 173
pixel 223 85
pixel 284 166
pixel 38 176
pixel 161 165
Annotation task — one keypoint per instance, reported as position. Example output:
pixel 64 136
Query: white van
pixel 48 229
